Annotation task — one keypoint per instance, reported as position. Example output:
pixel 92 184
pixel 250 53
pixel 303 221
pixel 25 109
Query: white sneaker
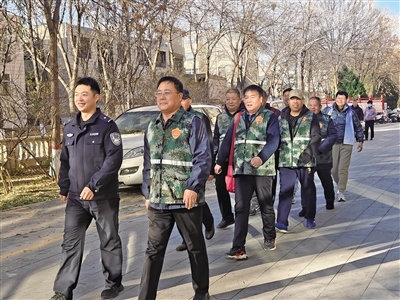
pixel 341 197
pixel 294 200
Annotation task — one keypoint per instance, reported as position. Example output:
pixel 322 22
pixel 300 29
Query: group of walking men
pixel 179 157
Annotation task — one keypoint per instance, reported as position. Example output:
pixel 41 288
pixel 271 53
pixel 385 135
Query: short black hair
pixel 343 93
pixel 89 81
pixel 315 98
pixel 287 90
pixel 233 91
pixel 177 83
pixel 369 102
pixel 256 88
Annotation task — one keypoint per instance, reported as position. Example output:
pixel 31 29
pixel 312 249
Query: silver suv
pixel 132 125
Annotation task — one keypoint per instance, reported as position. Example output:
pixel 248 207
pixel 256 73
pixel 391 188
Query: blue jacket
pixel 90 157
pixel 346 123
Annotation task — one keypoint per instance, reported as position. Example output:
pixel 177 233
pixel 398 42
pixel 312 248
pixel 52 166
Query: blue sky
pixel 393 6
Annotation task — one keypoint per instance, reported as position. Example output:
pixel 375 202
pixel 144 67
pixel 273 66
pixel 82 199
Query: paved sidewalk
pixel 354 252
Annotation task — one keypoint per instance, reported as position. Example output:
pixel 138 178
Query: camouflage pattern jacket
pixel 299 145
pixel 177 157
pixel 258 137
pixel 222 123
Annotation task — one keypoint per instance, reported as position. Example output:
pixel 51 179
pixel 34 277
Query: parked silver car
pixel 132 125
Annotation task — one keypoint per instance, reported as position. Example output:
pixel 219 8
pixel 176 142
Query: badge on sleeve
pixel 115 138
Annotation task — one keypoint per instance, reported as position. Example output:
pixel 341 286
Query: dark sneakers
pixel 330 205
pixel 237 253
pixel 223 224
pixel 210 233
pixel 58 296
pixel 111 292
pixel 181 247
pixel 269 245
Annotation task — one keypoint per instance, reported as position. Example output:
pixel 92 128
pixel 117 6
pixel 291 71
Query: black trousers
pixel 324 174
pixel 287 180
pixel 78 215
pixel 369 125
pixel 207 219
pixel 161 223
pixel 224 199
pixel 245 185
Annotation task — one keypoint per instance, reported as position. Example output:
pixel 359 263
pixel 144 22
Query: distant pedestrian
pixel 177 162
pixel 208 219
pixel 90 159
pixel 358 110
pixel 324 156
pixel 370 114
pixel 233 105
pixel 300 138
pixel 348 127
pixel 255 141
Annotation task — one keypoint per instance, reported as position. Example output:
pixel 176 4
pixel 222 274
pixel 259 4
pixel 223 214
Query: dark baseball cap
pixel 186 94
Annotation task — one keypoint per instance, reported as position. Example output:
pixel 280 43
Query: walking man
pixel 177 154
pixel 300 138
pixel 324 155
pixel 233 105
pixel 208 219
pixel 370 114
pixel 255 141
pixel 90 159
pixel 348 127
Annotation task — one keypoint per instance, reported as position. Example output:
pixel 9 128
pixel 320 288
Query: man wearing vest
pixel 255 141
pixel 300 138
pixel 208 219
pixel 324 156
pixel 348 127
pixel 177 162
pixel 233 105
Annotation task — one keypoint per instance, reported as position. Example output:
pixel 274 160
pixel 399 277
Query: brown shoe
pixel 181 247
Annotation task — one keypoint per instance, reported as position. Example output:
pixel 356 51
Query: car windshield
pixel 135 121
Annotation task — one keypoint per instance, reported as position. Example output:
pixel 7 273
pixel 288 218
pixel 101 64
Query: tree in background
pixel 350 83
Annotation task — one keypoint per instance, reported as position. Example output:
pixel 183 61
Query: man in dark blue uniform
pixel 90 159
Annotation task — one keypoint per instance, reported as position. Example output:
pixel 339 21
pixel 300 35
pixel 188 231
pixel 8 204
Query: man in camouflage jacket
pixel 255 141
pixel 233 105
pixel 177 162
pixel 300 138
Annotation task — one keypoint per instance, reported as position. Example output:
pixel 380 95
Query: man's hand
pixel 86 194
pixel 256 162
pixel 210 177
pixel 189 198
pixel 360 146
pixel 63 198
pixel 146 203
pixel 217 169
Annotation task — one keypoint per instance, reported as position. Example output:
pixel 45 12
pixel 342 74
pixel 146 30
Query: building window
pixel 161 59
pixel 142 57
pixel 5 85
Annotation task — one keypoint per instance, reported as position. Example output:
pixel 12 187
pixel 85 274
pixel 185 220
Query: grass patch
pixel 28 190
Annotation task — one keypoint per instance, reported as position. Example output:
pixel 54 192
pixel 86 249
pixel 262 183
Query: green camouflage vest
pixel 249 142
pixel 290 150
pixel 223 121
pixel 171 159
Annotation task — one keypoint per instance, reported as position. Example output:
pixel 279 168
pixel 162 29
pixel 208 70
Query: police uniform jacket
pixel 256 135
pixel 299 144
pixel 91 157
pixel 176 157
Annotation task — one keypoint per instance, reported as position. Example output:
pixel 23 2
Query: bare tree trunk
pixel 51 9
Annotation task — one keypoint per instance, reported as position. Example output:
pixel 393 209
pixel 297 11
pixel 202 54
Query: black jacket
pixel 91 157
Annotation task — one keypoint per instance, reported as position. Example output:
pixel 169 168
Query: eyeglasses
pixel 165 94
